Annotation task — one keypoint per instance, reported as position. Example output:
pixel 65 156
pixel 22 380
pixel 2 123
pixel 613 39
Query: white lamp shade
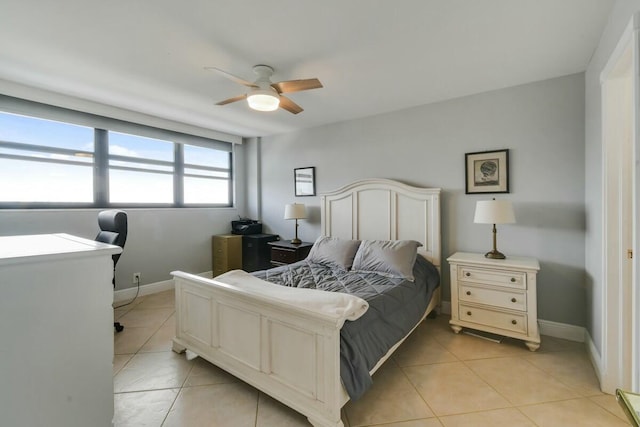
pixel 263 100
pixel 494 212
pixel 295 211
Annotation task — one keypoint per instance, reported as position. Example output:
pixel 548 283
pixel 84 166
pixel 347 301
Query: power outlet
pixel 136 278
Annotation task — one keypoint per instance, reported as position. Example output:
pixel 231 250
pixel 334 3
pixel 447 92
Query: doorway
pixel 621 336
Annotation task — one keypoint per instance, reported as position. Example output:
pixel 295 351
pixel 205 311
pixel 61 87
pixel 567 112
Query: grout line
pixel 175 399
pixel 513 404
pixel 177 394
pixel 527 417
pixel 552 375
pixel 414 387
pixel 607 409
pixel 147 390
pixel 125 364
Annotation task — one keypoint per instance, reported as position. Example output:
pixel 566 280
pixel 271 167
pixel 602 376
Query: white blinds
pixel 29 108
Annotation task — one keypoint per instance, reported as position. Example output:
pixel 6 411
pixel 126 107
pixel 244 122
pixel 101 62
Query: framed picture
pixel 305 181
pixel 487 172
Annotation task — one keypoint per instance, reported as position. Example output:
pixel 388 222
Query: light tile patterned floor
pixel 436 378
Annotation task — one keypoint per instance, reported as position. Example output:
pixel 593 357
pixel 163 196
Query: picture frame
pixel 304 181
pixel 487 172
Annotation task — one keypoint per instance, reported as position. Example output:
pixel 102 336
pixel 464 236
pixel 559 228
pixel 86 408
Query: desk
pixel 56 324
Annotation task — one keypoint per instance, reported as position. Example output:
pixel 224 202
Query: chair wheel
pixel 118 326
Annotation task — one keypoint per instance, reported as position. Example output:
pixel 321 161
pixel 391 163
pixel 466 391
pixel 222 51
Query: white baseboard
pixel 148 289
pixel 562 330
pixel 595 356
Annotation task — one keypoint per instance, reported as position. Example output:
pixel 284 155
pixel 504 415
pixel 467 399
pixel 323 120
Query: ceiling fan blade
pixel 289 105
pixel 230 76
pixel 296 85
pixel 234 99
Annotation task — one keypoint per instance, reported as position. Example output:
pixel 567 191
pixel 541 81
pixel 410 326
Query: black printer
pixel 246 226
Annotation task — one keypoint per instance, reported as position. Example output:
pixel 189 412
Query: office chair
pixel 113 230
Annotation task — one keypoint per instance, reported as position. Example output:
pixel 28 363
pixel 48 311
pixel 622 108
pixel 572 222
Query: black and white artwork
pixel 305 181
pixel 487 172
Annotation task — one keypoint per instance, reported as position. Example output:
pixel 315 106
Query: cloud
pixel 122 151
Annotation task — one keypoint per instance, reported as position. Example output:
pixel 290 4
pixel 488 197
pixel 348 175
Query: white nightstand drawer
pixel 513 279
pixel 513 300
pixel 497 319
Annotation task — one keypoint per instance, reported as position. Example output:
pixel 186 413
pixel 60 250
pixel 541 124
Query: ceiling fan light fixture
pixel 263 100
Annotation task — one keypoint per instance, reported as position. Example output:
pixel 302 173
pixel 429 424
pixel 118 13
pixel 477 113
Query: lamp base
pixel 494 255
pixel 298 241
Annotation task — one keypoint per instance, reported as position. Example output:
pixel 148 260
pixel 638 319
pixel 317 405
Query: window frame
pixel 101 158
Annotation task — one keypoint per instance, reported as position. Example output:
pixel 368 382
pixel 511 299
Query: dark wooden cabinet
pixel 284 252
pixel 256 254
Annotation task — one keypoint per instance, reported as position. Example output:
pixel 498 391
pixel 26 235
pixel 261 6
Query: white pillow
pixel 390 258
pixel 334 251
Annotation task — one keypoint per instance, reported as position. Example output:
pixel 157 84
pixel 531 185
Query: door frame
pixel 620 297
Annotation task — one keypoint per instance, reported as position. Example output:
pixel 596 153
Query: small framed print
pixel 487 172
pixel 305 181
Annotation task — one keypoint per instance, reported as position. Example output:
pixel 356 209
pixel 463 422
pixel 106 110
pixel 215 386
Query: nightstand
pixel 284 252
pixel 497 296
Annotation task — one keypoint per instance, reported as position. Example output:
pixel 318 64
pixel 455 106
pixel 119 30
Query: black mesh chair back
pixel 113 230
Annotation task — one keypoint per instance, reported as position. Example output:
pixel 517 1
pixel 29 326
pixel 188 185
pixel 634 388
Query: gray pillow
pixel 390 258
pixel 333 251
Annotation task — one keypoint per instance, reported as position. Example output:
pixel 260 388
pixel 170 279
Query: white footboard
pixel 284 351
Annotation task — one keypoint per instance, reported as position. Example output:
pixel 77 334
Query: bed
pixel 288 350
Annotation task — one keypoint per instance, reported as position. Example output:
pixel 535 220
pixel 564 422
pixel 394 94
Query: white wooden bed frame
pixel 285 351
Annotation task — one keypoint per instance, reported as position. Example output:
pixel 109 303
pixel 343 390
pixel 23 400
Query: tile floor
pixel 436 378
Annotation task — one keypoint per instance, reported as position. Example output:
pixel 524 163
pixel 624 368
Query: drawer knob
pixel 514 322
pixel 468 313
pixel 468 292
pixel 467 274
pixel 513 300
pixel 513 279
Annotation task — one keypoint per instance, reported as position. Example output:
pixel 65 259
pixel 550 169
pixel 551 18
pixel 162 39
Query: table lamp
pixel 494 212
pixel 295 211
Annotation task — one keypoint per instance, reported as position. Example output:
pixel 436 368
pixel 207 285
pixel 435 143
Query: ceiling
pixel 372 56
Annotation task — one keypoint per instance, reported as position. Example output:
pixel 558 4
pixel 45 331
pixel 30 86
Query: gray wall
pixel 541 123
pixel 159 240
pixel 252 185
pixel 618 21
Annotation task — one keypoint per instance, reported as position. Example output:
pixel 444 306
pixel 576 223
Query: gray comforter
pixel 395 307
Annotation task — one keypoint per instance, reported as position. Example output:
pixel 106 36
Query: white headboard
pixel 382 209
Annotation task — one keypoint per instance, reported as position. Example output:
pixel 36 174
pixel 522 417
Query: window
pixel 49 163
pixel 43 161
pixel 207 176
pixel 140 169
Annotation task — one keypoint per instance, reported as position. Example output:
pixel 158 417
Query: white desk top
pixel 20 248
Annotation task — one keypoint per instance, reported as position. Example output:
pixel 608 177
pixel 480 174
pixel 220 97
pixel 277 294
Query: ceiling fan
pixel 266 96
